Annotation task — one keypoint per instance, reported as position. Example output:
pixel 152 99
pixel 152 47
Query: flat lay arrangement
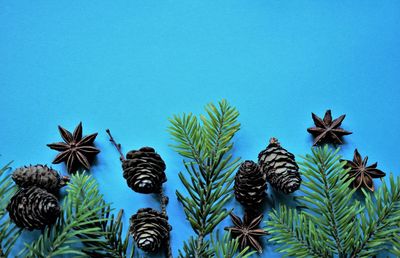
pixel 326 220
pixel 199 129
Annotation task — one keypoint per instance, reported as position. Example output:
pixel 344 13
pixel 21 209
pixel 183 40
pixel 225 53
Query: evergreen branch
pixel 9 232
pixel 109 242
pixel 192 249
pixel 296 233
pixel 7 188
pixel 326 193
pixel 59 239
pixel 396 244
pixel 209 166
pixel 345 227
pixel 381 224
pixel 226 247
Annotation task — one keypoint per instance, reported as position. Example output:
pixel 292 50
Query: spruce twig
pixel 209 165
pixel 332 223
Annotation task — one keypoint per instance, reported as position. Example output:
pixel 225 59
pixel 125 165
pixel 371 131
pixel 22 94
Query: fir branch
pixel 9 232
pixel 59 239
pixel 396 243
pixel 7 188
pixel 109 241
pixel 345 227
pixel 296 233
pixel 191 248
pixel 329 200
pixel 226 247
pixel 209 166
pixel 381 224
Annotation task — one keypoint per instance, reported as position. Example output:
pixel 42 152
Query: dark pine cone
pixel 33 208
pixel 144 170
pixel 250 184
pixel 280 167
pixel 150 229
pixel 40 176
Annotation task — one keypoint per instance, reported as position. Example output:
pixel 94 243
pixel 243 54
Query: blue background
pixel 129 65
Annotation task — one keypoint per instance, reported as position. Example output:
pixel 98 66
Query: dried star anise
pixel 76 151
pixel 360 173
pixel 327 130
pixel 247 231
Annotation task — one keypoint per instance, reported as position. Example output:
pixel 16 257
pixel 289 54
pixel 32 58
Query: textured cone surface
pixel 250 184
pixel 144 170
pixel 150 229
pixel 40 176
pixel 33 208
pixel 280 167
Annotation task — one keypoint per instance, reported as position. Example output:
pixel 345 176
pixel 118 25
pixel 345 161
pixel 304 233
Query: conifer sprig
pixel 9 233
pixel 225 246
pixel 332 223
pixel 380 224
pixel 206 146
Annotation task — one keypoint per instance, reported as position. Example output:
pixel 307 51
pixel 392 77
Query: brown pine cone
pixel 150 229
pixel 40 176
pixel 250 184
pixel 33 208
pixel 280 167
pixel 144 170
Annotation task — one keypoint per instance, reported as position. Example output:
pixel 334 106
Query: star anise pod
pixel 247 231
pixel 361 174
pixel 327 130
pixel 76 151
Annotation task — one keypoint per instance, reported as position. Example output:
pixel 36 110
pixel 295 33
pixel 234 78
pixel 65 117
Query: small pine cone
pixel 33 208
pixel 144 170
pixel 280 167
pixel 40 176
pixel 250 184
pixel 150 229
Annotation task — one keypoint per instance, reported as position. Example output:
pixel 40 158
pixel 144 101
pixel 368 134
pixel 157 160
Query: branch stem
pixel 164 202
pixel 117 145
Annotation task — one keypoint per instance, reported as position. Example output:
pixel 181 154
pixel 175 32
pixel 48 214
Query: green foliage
pixel 195 248
pixel 85 219
pixel 9 233
pixel 206 143
pixel 380 224
pixel 226 247
pixel 332 223
pixel 111 243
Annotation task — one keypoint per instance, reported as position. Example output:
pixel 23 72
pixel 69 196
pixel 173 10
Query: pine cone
pixel 144 170
pixel 280 167
pixel 40 176
pixel 150 229
pixel 250 184
pixel 33 208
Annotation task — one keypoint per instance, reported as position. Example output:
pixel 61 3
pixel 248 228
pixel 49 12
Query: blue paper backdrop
pixel 129 65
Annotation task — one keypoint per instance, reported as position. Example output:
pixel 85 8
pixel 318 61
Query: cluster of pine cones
pixel 35 205
pixel 275 165
pixel 144 171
